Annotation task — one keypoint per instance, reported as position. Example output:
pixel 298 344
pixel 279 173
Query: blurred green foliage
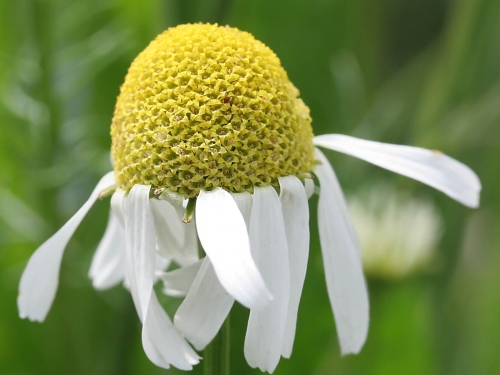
pixel 421 73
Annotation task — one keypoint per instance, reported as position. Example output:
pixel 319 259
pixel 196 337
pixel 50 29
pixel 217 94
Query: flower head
pixel 205 106
pixel 207 112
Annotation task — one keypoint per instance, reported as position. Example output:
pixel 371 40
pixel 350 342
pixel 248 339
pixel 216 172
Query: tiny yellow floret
pixel 206 106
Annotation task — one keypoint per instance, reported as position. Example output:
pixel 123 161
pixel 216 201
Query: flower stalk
pixel 216 355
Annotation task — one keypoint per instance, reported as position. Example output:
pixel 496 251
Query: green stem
pixel 216 355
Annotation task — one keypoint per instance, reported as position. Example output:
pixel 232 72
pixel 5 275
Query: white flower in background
pixel 399 235
pixel 208 127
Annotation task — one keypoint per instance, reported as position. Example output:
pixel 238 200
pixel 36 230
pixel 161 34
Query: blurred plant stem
pixel 442 79
pixel 46 137
pixel 216 355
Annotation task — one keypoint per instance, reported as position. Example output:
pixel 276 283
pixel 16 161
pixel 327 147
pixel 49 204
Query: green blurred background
pixel 423 73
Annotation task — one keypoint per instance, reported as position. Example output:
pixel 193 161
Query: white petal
pixel 117 206
pixel 309 186
pixel 170 231
pixel 244 202
pixel 207 304
pixel 342 261
pixel 296 216
pixel 140 247
pixel 161 264
pixel 266 327
pixel 223 235
pixel 40 278
pixel 430 167
pixel 190 253
pixel 161 341
pixel 108 264
pixel 204 309
pixel 176 283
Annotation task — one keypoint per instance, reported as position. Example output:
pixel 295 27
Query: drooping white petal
pixel 40 278
pixel 176 200
pixel 309 186
pixel 205 308
pixel 430 167
pixel 266 327
pixel 223 235
pixel 296 216
pixel 342 261
pixel 161 264
pixel 177 283
pixel 140 247
pixel 190 253
pixel 244 203
pixel 117 206
pixel 207 304
pixel 170 231
pixel 161 341
pixel 175 240
pixel 108 264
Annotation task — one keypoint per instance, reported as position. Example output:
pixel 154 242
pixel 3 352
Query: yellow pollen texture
pixel 205 106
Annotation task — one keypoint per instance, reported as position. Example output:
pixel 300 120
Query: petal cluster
pixel 256 247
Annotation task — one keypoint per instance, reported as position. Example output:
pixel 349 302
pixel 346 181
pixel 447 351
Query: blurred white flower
pixel 399 235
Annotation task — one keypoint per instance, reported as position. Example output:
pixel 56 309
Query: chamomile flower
pixel 209 129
